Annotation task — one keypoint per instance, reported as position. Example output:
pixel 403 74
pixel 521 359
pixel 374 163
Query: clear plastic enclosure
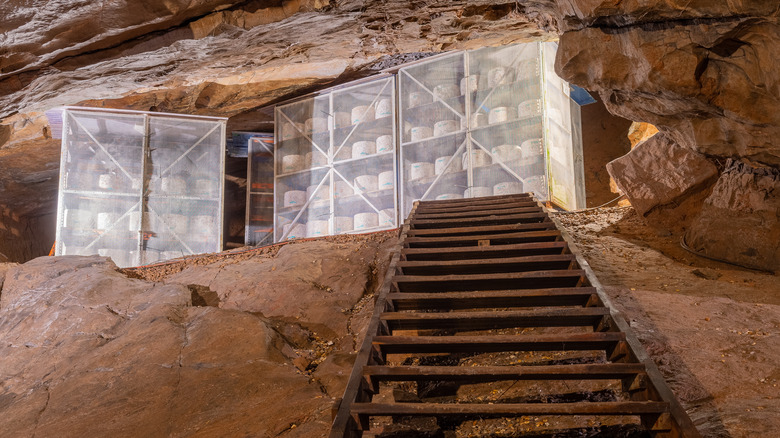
pixel 491 121
pixel 335 162
pixel 140 187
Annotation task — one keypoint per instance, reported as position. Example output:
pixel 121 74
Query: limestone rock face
pixel 208 57
pixel 706 73
pixel 88 351
pixel 740 220
pixel 658 171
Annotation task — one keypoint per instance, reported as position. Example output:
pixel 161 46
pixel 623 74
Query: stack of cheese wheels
pixel 440 166
pixel 342 189
pixel 421 169
pixel 386 180
pixel 366 183
pixel 508 188
pixel 362 149
pixel 444 127
pixel 343 224
pixel 294 198
pixel 362 113
pixel 365 221
pixel 478 192
pixel 317 228
pixel 384 143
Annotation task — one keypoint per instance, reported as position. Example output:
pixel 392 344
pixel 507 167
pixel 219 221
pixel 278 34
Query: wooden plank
pixel 477 201
pixel 418 224
pixel 498 373
pixel 462 321
pixel 575 296
pixel 496 343
pixel 511 409
pixel 455 209
pixel 482 229
pixel 487 265
pixel 495 239
pixel 492 251
pixel 510 280
pixel 476 213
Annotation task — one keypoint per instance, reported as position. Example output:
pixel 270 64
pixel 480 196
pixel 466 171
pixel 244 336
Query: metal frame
pixel 143 193
pixel 334 169
pixel 459 150
pixel 472 144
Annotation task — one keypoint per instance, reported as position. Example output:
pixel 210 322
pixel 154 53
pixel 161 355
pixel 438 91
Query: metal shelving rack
pixel 336 162
pixel 140 187
pixel 492 121
pixel 260 191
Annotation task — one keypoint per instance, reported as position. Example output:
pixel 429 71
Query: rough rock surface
pixel 89 351
pixel 658 172
pixel 687 67
pixel 744 202
pixel 712 329
pixel 184 57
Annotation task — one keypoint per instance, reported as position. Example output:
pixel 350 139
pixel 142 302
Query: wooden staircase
pixel 480 279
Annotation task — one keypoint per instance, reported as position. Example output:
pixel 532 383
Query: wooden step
pixel 478 252
pixel 511 280
pixel 475 213
pixel 511 409
pixel 467 321
pixel 492 239
pixel 485 200
pixel 418 224
pixel 575 296
pixel 465 208
pixel 605 371
pixel 481 229
pixel 488 265
pixel 497 343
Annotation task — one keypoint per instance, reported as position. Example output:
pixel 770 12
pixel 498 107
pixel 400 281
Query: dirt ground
pixel 712 328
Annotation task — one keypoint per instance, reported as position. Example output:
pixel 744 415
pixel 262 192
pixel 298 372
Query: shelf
pixel 432 139
pixel 183 198
pixel 457 102
pixel 381 126
pixel 359 160
pixel 499 90
pixel 524 120
pixel 344 202
pixel 101 195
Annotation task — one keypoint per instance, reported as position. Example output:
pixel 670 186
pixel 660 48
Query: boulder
pixel 658 172
pixel 86 350
pixel 740 220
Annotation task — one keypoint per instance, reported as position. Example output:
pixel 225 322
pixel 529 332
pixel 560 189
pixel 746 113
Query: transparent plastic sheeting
pixel 480 123
pixel 335 162
pixel 140 188
pixel 563 137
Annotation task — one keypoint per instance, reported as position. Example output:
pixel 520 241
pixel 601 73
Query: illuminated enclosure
pixel 140 187
pixel 492 121
pixel 336 162
pixel 260 190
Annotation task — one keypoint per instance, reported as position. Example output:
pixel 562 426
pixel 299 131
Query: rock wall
pixel 210 57
pixel 89 351
pixel 686 66
pixel 707 76
pixel 740 219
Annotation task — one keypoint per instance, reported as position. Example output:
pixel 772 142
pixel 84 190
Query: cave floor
pixel 712 328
